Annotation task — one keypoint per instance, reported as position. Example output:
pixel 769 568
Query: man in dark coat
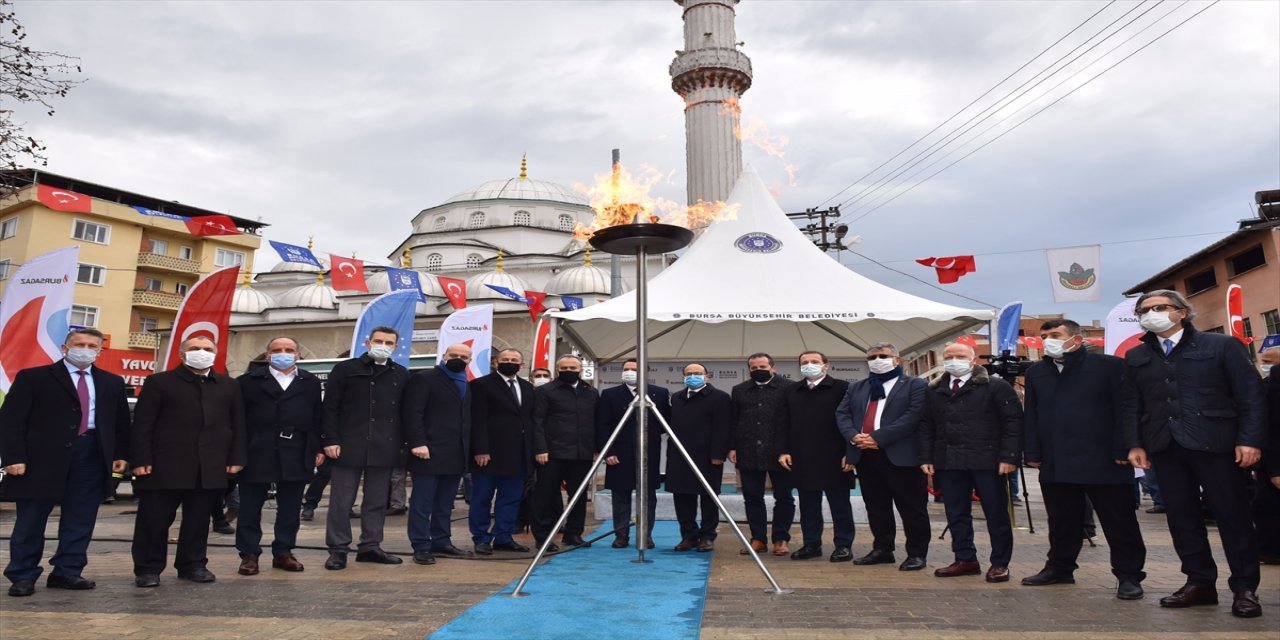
pixel 1266 498
pixel 620 474
pixel 756 411
pixel 282 415
pixel 63 429
pixel 971 439
pixel 1073 435
pixel 700 419
pixel 501 453
pixel 188 437
pixel 362 435
pixel 564 445
pixel 878 419
pixel 811 447
pixel 437 427
pixel 1193 403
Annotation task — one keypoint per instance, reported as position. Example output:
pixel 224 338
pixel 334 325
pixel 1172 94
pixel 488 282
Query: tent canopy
pixel 757 283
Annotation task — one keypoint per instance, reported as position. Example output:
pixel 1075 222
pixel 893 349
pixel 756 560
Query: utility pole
pixel 827 236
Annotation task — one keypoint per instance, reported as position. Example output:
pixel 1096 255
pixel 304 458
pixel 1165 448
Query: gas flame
pixel 620 196
pixel 756 132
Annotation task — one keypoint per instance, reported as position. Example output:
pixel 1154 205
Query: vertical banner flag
pixel 347 274
pixel 63 200
pixel 1235 313
pixel 1123 330
pixel 34 315
pixel 950 269
pixel 571 303
pixel 542 344
pixel 536 307
pixel 1010 318
pixel 293 253
pixel 455 289
pixel 405 280
pixel 393 309
pixel 1073 273
pixel 205 312
pixel 473 327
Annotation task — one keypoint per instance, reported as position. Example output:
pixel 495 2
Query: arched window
pixel 441 222
pixel 474 260
pixel 476 220
pixel 565 223
pixel 435 261
pixel 523 218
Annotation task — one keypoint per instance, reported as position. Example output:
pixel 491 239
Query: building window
pixel 186 252
pixel 91 232
pixel 160 246
pixel 474 260
pixel 82 316
pixel 148 325
pixel 152 284
pixel 523 218
pixel 476 220
pixel 434 262
pixel 9 228
pixel 90 274
pixel 565 223
pixel 1217 329
pixel 1272 319
pixel 1248 260
pixel 228 258
pixel 1248 333
pixel 180 289
pixel 441 223
pixel 1202 281
pixel 4 268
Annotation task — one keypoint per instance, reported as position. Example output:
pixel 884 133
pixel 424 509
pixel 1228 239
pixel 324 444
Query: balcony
pixel 144 340
pixel 148 299
pixel 160 262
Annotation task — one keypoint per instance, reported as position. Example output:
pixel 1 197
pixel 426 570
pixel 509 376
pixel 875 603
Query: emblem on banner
pixel 1077 278
pixel 758 242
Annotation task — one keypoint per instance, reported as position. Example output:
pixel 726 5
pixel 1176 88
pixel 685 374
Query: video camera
pixel 1007 366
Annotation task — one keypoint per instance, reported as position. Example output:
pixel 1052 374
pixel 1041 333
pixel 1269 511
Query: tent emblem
pixel 758 242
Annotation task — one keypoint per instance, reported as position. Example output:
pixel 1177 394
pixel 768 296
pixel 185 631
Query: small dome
pixel 250 300
pixel 309 296
pixel 380 283
pixel 476 289
pixel 580 280
pixel 298 267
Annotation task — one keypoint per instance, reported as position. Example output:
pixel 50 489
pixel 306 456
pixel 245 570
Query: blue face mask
pixel 695 381
pixel 283 361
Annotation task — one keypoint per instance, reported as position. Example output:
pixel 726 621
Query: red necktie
pixel 869 422
pixel 82 390
pixel 955 385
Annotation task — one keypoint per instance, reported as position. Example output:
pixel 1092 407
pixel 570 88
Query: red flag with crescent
pixel 542 345
pixel 205 312
pixel 950 269
pixel 347 274
pixel 969 340
pixel 215 225
pixel 63 199
pixel 454 289
pixel 1235 312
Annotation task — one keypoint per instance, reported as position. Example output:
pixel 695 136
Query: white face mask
pixel 1156 321
pixel 1266 369
pixel 811 371
pixel 957 367
pixel 538 382
pixel 381 351
pixel 1055 348
pixel 630 377
pixel 881 365
pixel 199 359
pixel 81 356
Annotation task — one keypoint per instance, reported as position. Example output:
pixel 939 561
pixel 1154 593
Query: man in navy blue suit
pixel 878 419
pixel 620 474
pixel 63 429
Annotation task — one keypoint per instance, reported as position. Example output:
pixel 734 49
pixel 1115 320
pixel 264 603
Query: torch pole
pixel 644 402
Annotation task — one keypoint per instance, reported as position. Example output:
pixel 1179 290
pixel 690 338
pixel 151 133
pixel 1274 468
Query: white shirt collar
pixel 74 369
pixel 1176 338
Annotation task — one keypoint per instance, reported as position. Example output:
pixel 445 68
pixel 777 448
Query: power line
pixel 1015 251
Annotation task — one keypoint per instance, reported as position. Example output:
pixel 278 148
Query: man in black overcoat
pixel 501 453
pixel 1266 498
pixel 620 474
pixel 564 446
pixel 753 432
pixel 700 419
pixel 64 428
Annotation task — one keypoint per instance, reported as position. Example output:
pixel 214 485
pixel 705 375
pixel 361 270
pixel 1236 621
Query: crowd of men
pixel 1184 402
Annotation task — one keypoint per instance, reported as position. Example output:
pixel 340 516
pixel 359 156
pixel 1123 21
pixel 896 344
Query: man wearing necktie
pixel 700 419
pixel 1193 408
pixel 501 453
pixel 63 429
pixel 620 474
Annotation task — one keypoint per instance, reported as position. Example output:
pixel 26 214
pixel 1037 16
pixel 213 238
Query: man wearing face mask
pixel 1073 436
pixel 1193 408
pixel 282 415
pixel 700 419
pixel 362 435
pixel 539 376
pixel 813 450
pixel 878 418
pixel 564 446
pixel 970 439
pixel 756 413
pixel 501 453
pixel 1266 497
pixel 620 474
pixel 64 428
pixel 188 437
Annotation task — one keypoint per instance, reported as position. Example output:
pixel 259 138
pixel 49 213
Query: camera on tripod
pixel 1007 365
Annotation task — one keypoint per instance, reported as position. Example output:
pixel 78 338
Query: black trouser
pixel 1065 504
pixel 373 507
pixel 784 505
pixel 687 505
pixel 957 488
pixel 885 486
pixel 156 511
pixel 77 515
pixel 249 526
pixel 622 511
pixel 1266 509
pixel 811 524
pixel 1182 474
pixel 548 505
pixel 316 489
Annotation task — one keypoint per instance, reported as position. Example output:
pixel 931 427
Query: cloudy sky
pixel 343 120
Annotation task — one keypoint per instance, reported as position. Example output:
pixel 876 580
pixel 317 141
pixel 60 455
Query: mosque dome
pixel 316 295
pixel 476 289
pixel 584 279
pixel 521 188
pixel 250 300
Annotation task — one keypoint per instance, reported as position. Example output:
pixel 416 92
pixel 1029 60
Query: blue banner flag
pixel 1272 340
pixel 571 303
pixel 395 310
pixel 405 280
pixel 1009 320
pixel 160 214
pixel 291 253
pixel 509 293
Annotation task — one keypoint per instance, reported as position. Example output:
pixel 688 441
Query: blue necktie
pixel 1168 346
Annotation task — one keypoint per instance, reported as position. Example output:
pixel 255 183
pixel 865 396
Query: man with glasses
pixel 1193 408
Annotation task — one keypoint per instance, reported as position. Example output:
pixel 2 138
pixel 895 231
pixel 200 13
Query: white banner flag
pixel 1123 330
pixel 472 326
pixel 35 313
pixel 1073 273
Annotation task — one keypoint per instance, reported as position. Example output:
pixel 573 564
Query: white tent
pixel 756 283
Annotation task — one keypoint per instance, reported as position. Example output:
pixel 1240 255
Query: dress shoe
pixel 574 541
pixel 756 544
pixel 511 546
pixel 706 544
pixel 1155 510
pixel 198 574
pixel 1245 605
pixel 687 544
pixel 337 560
pixel 621 542
pixel 22 588
pixel 397 511
pixel 1189 596
pixel 147 580
pixel 912 563
pixel 841 554
pixel 74 583
pixel 877 556
pixel 287 562
pixel 248 564
pixel 959 568
pixel 308 513
pixel 223 527
pixel 781 548
pixel 423 557
pixel 807 551
pixel 551 548
pixel 650 544
pixel 451 551
pixel 1128 590
pixel 1047 577
pixel 484 548
pixel 377 556
pixel 998 573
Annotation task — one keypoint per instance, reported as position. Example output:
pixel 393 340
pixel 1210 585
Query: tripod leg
pixel 1026 500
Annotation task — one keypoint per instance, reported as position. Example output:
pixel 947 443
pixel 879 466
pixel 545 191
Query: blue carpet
pixel 597 592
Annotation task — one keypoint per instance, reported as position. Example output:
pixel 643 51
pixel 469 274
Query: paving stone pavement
pixel 829 600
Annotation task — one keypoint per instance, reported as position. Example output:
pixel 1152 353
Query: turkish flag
pixel 542 345
pixel 535 304
pixel 969 340
pixel 215 225
pixel 62 199
pixel 1032 341
pixel 347 274
pixel 455 289
pixel 205 312
pixel 950 269
pixel 1235 312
